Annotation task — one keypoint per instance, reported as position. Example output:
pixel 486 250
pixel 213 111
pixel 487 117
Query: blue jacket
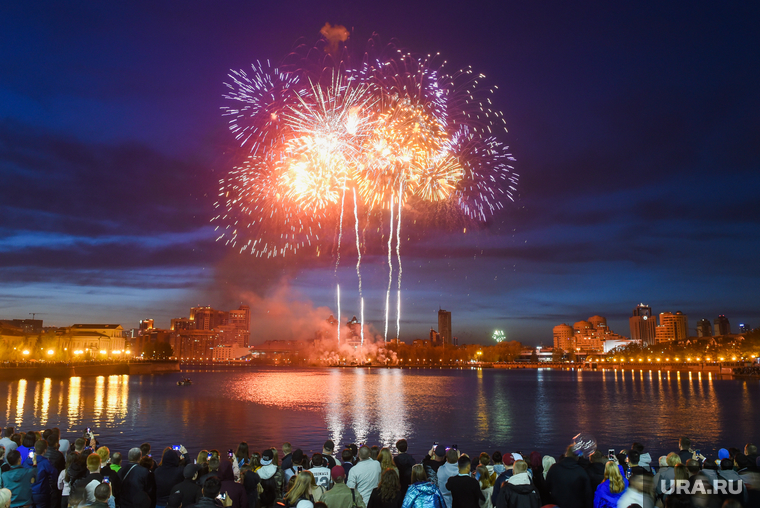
pixel 423 495
pixel 19 481
pixel 47 476
pixel 603 498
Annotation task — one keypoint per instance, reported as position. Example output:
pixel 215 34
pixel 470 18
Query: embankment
pixel 85 369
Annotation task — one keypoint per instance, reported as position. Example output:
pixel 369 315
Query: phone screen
pixel 89 430
pixel 611 453
pixel 106 479
pixel 31 454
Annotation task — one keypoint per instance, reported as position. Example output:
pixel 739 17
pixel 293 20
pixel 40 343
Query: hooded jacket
pixel 569 484
pixel 645 461
pixel 518 492
pixel 423 495
pixel 134 480
pixel 234 490
pixel 445 472
pixel 404 463
pixel 271 481
pixel 168 474
pixel 603 498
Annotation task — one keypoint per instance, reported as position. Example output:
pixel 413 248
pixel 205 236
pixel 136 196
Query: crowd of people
pixel 45 470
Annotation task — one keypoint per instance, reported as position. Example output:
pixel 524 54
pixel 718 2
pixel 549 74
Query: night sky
pixel 636 128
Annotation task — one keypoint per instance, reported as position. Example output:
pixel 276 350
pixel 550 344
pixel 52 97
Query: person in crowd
pixel 213 469
pixel 106 470
pixel 519 491
pixel 187 492
pixel 634 458
pixel 355 451
pixel 568 483
pixel 347 457
pixel 27 449
pixel 168 473
pixel 235 491
pixel 509 462
pixel 727 473
pixel 4 466
pixel 666 475
pixel 6 440
pixel 302 489
pixel 421 492
pixel 447 470
pixel 287 457
pixel 612 487
pixel 404 463
pixel 463 489
pixel 340 496
pixel 498 465
pixel 102 494
pixel 433 461
pixel 595 469
pixel 242 455
pixel 76 469
pixel 271 480
pixel 684 449
pixel 645 460
pixel 53 454
pixel 374 451
pixel 43 487
pixel 634 494
pixel 319 470
pixel 93 478
pixel 19 479
pixel 486 486
pixel 145 448
pixel 327 452
pixel 365 474
pixel 5 498
pixel 211 490
pixel 136 480
pixel 386 460
pixel 388 492
pixel 63 444
pixel 750 450
pixel 115 464
pixel 297 465
pixel 251 481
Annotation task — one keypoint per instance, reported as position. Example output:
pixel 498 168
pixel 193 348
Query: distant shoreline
pixel 87 369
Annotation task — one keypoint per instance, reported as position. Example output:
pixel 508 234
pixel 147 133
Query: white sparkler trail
pixel 390 273
pixel 362 318
pixel 340 234
pixel 398 256
pixel 358 246
pixel 338 314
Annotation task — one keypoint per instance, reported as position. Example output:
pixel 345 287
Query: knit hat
pixel 266 457
pixel 722 454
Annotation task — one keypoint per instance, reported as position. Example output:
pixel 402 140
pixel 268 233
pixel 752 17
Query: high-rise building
pixel 145 325
pixel 643 324
pixel 444 326
pixel 672 327
pixel 206 318
pixel 240 319
pixel 744 328
pixel 704 329
pixel 564 337
pixel 598 322
pixel 180 324
pixel 722 326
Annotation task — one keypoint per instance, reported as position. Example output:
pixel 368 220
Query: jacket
pixel 136 479
pixel 47 477
pixel 207 502
pixel 603 498
pixel 19 481
pixel 500 480
pixel 445 472
pixel 56 458
pixel 465 491
pixel 404 462
pixel 431 468
pixel 340 496
pixel 423 495
pixel 251 481
pixel 235 490
pixel 569 484
pixel 184 494
pixel 520 493
pixel 375 501
pixel 595 474
pixel 271 482
pixel 167 475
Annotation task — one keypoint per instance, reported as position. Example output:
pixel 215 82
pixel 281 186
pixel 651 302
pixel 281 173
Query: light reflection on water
pixel 480 410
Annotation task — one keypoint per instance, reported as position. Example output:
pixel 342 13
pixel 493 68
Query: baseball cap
pixel 329 445
pixel 508 459
pixel 190 470
pixel 337 471
pixel 266 457
pixel 440 451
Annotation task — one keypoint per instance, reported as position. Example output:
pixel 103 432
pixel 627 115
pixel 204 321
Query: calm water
pixel 480 410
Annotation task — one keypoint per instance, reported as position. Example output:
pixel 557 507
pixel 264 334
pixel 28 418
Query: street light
pixel 50 352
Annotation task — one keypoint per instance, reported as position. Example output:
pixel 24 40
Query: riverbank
pixel 86 369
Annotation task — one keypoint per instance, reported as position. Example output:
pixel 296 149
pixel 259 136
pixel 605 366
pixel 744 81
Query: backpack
pixel 269 492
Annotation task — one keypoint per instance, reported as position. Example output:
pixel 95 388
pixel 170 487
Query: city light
pixel 25 352
pixel 50 352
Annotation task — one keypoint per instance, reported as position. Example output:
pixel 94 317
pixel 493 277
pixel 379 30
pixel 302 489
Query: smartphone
pixel 106 479
pixel 698 452
pixel 229 453
pixel 89 430
pixel 195 461
pixel 176 448
pixel 209 455
pixel 611 454
pixel 454 447
pixel 31 454
pixel 222 496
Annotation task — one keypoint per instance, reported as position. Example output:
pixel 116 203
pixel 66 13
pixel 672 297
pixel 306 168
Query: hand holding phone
pixel 611 454
pixel 31 454
pixel 106 479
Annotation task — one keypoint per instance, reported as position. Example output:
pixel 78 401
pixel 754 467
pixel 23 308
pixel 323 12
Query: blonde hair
pixel 301 487
pixel 672 459
pixel 5 498
pixel 520 466
pixel 485 478
pixel 612 473
pixel 386 459
pixel 104 453
pixel 547 462
pixel 202 457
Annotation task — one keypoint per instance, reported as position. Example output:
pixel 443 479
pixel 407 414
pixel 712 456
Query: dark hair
pixel 677 501
pixel 46 433
pixel 329 445
pixel 116 458
pixel 40 447
pixel 693 466
pixel 13 457
pixel 354 449
pixel 638 447
pixel 484 459
pixel 8 432
pixel 452 456
pixel 464 462
pixel 633 456
pixel 213 464
pixel 496 456
pixel 347 455
pixel 389 485
pixel 102 492
pixel 684 443
pixel 52 440
pixel 320 504
pixel 242 451
pixel 29 439
pixel 597 457
pixel 79 444
pixel 211 487
pixel 374 451
pixel 145 448
pixel 402 446
pixel 726 464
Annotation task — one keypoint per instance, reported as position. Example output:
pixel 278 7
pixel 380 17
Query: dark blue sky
pixel 636 127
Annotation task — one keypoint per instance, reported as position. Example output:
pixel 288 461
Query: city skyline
pixel 634 140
